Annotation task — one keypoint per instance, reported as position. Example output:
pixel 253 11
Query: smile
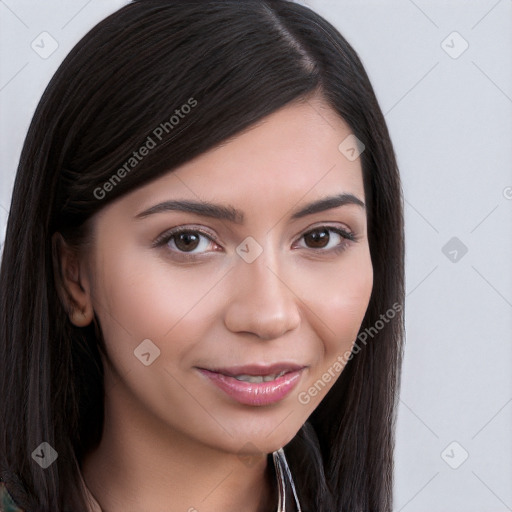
pixel 255 386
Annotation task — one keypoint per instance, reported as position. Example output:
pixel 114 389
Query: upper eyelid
pixel 328 226
pixel 166 235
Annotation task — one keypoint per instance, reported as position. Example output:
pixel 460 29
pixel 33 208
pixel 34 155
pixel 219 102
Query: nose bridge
pixel 262 278
pixel 261 303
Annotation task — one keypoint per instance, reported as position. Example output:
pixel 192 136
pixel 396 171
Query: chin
pixel 257 432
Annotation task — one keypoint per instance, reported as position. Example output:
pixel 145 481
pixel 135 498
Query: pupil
pixel 317 238
pixel 187 241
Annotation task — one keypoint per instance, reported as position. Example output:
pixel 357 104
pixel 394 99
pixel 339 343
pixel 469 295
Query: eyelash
pixel 164 238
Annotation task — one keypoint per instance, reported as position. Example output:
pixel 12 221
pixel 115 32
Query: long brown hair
pixel 239 61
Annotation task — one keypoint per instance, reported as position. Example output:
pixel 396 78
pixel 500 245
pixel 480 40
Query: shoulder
pixel 6 502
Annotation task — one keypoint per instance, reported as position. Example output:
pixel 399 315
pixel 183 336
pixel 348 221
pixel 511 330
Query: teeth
pixel 250 378
pixel 259 378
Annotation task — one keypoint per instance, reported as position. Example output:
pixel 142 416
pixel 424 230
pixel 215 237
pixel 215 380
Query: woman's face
pixel 273 273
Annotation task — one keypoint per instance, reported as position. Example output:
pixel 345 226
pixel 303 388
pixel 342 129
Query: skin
pixel 172 441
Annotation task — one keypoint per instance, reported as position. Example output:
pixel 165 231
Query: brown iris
pixel 317 239
pixel 186 241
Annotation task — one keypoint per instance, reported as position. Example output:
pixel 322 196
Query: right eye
pixel 185 241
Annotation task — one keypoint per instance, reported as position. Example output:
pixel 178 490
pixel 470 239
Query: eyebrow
pixel 231 214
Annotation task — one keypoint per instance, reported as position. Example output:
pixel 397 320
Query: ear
pixel 71 281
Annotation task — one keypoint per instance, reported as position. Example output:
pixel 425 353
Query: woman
pixel 202 278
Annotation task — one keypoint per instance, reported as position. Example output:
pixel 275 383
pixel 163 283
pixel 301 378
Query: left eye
pixel 322 238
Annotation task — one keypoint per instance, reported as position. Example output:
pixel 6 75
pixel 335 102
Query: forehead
pixel 290 155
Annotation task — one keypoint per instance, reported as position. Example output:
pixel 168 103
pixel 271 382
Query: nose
pixel 262 302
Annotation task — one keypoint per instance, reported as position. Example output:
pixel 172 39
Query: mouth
pixel 255 384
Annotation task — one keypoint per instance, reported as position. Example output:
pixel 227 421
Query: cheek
pixel 142 297
pixel 337 302
pixel 349 303
pixel 336 312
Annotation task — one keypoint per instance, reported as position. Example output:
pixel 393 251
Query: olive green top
pixel 6 502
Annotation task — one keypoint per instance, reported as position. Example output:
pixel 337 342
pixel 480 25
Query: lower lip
pixel 255 393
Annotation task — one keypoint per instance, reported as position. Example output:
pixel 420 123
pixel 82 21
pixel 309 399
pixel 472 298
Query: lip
pixel 255 393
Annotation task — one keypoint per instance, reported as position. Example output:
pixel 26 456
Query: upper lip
pixel 257 369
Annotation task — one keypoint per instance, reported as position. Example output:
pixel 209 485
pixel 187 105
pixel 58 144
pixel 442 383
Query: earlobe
pixel 71 282
pixel 81 318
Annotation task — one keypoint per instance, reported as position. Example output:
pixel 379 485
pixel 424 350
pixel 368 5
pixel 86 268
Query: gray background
pixel 450 116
